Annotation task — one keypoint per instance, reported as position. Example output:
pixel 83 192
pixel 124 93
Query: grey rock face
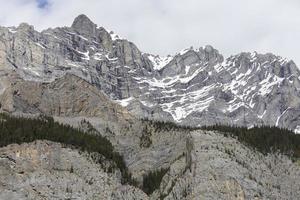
pixel 84 26
pixel 47 170
pixel 194 87
pixel 223 168
pixel 69 96
pixel 246 89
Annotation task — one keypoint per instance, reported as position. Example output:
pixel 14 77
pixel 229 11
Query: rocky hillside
pixel 225 169
pixel 193 87
pixel 47 170
pixel 214 166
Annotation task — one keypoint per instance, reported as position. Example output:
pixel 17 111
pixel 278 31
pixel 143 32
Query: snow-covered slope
pixel 159 62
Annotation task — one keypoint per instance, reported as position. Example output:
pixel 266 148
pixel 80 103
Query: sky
pixel 167 26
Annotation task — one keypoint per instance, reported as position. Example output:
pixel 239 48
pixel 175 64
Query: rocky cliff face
pixel 225 169
pixel 222 168
pixel 47 170
pixel 193 87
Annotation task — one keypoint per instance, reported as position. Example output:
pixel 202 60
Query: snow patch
pixel 147 103
pixel 189 78
pixel 12 30
pixel 111 59
pixel 125 102
pixel 262 115
pixel 83 38
pixel 98 56
pixel 40 45
pixel 193 101
pixel 184 51
pixel 85 54
pixel 268 83
pixel 277 121
pixel 159 62
pixel 33 70
pixel 218 67
pixel 297 129
pixel 114 36
pixel 74 65
pixel 234 106
pixel 52 36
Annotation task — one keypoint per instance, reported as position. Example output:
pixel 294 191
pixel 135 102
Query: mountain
pixel 194 87
pixel 149 108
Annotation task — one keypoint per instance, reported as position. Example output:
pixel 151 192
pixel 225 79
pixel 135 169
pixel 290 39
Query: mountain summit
pixel 83 25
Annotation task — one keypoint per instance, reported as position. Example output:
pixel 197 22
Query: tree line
pixel 266 139
pixel 23 130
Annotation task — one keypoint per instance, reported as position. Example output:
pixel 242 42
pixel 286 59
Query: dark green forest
pixel 166 125
pixel 152 180
pixel 21 130
pixel 265 139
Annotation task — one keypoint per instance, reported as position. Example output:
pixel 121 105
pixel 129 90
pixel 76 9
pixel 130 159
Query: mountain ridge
pixel 193 87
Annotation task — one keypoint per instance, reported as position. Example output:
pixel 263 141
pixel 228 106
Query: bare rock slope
pixel 223 168
pixel 47 170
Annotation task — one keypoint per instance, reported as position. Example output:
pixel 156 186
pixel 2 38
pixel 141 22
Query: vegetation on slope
pixel 23 130
pixel 166 125
pixel 152 180
pixel 265 139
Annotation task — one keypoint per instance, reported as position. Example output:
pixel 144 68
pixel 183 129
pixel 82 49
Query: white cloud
pixel 165 26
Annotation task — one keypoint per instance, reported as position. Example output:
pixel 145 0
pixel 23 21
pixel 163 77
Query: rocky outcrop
pixel 223 168
pixel 47 170
pixel 66 97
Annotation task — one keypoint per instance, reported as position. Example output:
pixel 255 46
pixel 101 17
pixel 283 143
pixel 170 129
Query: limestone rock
pixel 47 170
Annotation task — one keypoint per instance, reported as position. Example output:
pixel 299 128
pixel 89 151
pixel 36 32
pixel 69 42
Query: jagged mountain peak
pixel 188 56
pixel 205 48
pixel 82 19
pixel 259 57
pixel 25 26
pixel 84 25
pixel 281 67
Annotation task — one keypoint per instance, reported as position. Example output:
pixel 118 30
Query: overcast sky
pixel 167 26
